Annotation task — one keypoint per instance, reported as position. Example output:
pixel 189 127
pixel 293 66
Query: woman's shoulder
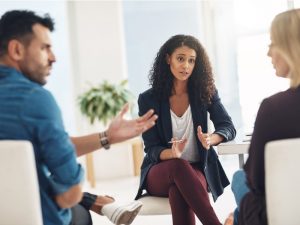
pixel 149 95
pixel 149 98
pixel 280 101
pixel 284 97
pixel 148 92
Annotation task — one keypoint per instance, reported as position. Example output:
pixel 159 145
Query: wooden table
pixel 234 147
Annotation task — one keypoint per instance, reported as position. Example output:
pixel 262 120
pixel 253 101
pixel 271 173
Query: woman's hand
pixel 204 138
pixel 178 147
pixel 208 140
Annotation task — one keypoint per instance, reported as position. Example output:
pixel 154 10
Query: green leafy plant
pixel 104 101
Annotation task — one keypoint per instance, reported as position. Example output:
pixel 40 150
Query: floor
pixel 124 190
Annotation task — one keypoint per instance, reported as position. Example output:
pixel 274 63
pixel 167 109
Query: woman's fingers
pixel 204 138
pixel 199 129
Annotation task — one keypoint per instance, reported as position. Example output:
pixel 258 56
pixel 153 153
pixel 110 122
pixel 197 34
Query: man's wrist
pixel 104 141
pixel 88 200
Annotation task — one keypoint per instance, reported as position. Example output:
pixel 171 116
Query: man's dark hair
pixel 17 24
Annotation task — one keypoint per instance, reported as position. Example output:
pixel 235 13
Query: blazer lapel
pixel 166 120
pixel 198 113
pixel 199 118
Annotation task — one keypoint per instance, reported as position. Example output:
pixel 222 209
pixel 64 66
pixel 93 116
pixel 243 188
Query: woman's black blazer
pixel 156 139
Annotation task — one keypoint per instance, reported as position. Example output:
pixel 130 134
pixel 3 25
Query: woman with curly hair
pixel 180 162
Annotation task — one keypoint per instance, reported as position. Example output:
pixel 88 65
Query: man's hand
pixel 120 129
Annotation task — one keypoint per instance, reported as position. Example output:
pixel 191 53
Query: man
pixel 29 112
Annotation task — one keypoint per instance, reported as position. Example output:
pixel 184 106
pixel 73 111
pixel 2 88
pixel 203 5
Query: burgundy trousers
pixel 186 187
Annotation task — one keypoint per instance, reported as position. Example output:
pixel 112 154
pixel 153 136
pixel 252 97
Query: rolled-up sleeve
pixel 53 147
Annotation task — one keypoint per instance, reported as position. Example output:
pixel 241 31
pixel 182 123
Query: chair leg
pixel 137 154
pixel 90 169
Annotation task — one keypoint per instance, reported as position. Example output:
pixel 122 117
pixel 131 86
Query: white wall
pixel 88 43
pixel 60 81
pixel 149 24
pixel 96 37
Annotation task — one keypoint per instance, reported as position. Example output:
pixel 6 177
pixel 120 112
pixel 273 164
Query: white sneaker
pixel 122 214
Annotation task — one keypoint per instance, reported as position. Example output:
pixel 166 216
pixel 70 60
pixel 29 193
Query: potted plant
pixel 104 101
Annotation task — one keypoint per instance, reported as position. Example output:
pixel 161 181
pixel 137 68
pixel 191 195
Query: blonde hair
pixel 285 33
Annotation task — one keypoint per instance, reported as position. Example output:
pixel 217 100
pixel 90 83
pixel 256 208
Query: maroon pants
pixel 186 187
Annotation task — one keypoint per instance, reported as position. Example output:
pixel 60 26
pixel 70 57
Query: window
pixel 234 32
pixel 239 41
pixel 257 79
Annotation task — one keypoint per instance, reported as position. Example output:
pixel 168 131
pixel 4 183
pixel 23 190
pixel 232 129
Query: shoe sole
pixel 127 215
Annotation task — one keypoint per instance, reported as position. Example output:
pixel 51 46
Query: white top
pixel 183 127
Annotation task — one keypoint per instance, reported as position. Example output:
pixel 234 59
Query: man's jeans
pixel 80 212
pixel 80 216
pixel 240 189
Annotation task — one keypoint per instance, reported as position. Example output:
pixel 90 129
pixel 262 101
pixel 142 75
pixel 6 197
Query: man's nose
pixel 269 52
pixel 52 57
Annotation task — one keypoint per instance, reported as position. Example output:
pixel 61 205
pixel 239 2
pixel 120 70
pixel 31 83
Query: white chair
pixel 282 159
pixel 155 206
pixel 151 205
pixel 19 190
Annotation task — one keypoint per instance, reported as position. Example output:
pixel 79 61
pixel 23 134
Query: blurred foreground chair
pixel 19 190
pixel 282 159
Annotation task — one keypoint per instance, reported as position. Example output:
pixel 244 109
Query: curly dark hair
pixel 17 24
pixel 200 84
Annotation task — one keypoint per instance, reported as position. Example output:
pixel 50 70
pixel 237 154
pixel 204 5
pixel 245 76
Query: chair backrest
pixel 282 159
pixel 155 206
pixel 19 190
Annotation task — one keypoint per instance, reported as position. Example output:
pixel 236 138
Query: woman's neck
pixel 180 88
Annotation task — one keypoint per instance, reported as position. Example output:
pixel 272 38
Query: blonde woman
pixel 277 118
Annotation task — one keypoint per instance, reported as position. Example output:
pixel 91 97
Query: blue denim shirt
pixel 29 112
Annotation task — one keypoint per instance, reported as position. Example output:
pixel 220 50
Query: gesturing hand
pixel 204 138
pixel 178 147
pixel 121 129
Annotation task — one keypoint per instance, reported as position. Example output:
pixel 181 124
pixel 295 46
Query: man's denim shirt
pixel 29 112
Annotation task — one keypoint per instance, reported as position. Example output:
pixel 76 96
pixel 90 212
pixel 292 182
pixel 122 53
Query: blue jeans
pixel 240 189
pixel 80 213
pixel 80 216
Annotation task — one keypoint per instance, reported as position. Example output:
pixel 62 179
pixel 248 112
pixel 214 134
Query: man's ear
pixel 15 50
pixel 168 59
